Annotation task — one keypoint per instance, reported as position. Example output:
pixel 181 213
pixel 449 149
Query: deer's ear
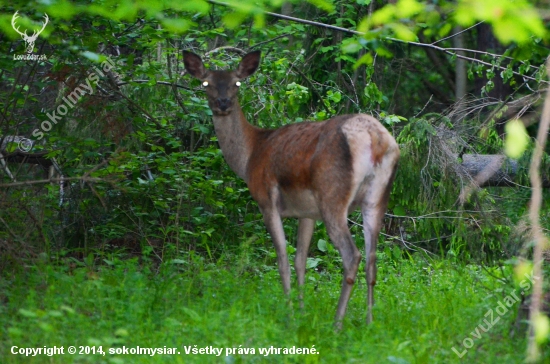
pixel 193 65
pixel 249 64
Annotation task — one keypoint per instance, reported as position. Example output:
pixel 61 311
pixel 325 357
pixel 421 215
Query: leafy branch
pixel 450 51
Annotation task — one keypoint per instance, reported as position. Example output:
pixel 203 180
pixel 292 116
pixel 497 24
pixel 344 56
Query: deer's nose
pixel 224 103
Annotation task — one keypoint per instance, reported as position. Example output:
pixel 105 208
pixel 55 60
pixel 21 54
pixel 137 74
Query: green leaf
pixel 516 139
pixel 541 324
pixel 365 59
pixel 322 245
pixel 91 56
pixel 195 6
pixel 384 15
pixel 178 261
pixel 402 32
pixel 121 332
pixel 193 315
pixel 27 313
pixel 45 326
pixel 176 25
pixel 351 45
pixel 234 19
pixel 407 8
pixel 327 6
pixel 399 210
pixel 313 262
pixel 396 253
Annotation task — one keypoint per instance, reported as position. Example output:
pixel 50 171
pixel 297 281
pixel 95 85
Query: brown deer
pixel 310 171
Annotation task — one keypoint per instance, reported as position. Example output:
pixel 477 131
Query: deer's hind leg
pixel 335 219
pixel 373 209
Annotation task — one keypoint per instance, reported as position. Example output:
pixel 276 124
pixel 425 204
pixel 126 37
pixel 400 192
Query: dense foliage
pixel 144 129
pixel 141 174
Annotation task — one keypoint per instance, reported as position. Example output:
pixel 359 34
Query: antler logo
pixel 29 40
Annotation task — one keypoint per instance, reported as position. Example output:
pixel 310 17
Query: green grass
pixel 423 309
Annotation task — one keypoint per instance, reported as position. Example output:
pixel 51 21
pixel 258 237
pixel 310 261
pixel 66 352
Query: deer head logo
pixel 29 40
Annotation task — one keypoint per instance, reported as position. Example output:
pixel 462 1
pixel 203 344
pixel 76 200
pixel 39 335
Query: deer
pixel 310 171
pixel 29 40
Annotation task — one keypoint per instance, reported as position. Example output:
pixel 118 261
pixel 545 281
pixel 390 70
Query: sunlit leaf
pixel 327 6
pixel 522 271
pixel 402 32
pixel 384 15
pixel 366 59
pixel 541 324
pixel 176 25
pixel 234 19
pixel 407 8
pixel 512 21
pixel 516 139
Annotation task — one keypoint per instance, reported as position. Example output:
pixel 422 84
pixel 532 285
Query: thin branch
pixel 390 39
pixel 483 52
pixel 271 40
pixel 50 180
pixel 426 105
pixel 458 33
pixel 156 82
pixel 97 195
pixel 539 237
pixel 446 50
pixel 406 244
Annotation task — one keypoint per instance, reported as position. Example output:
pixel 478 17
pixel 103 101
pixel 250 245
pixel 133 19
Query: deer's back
pixel 295 163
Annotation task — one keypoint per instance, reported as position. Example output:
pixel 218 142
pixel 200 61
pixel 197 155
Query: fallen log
pixel 497 170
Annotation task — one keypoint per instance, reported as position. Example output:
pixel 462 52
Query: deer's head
pixel 221 86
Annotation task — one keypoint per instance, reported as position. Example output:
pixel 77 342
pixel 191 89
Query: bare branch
pixel 541 241
pixel 157 82
pixel 50 180
pixel 458 33
pixel 271 40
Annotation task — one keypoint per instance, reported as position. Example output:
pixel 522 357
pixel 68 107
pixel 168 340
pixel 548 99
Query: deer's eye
pixel 238 84
pixel 205 83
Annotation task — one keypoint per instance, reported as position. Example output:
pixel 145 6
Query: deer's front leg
pixel 274 225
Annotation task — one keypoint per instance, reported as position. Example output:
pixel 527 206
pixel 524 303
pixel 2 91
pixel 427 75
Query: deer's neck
pixel 236 137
